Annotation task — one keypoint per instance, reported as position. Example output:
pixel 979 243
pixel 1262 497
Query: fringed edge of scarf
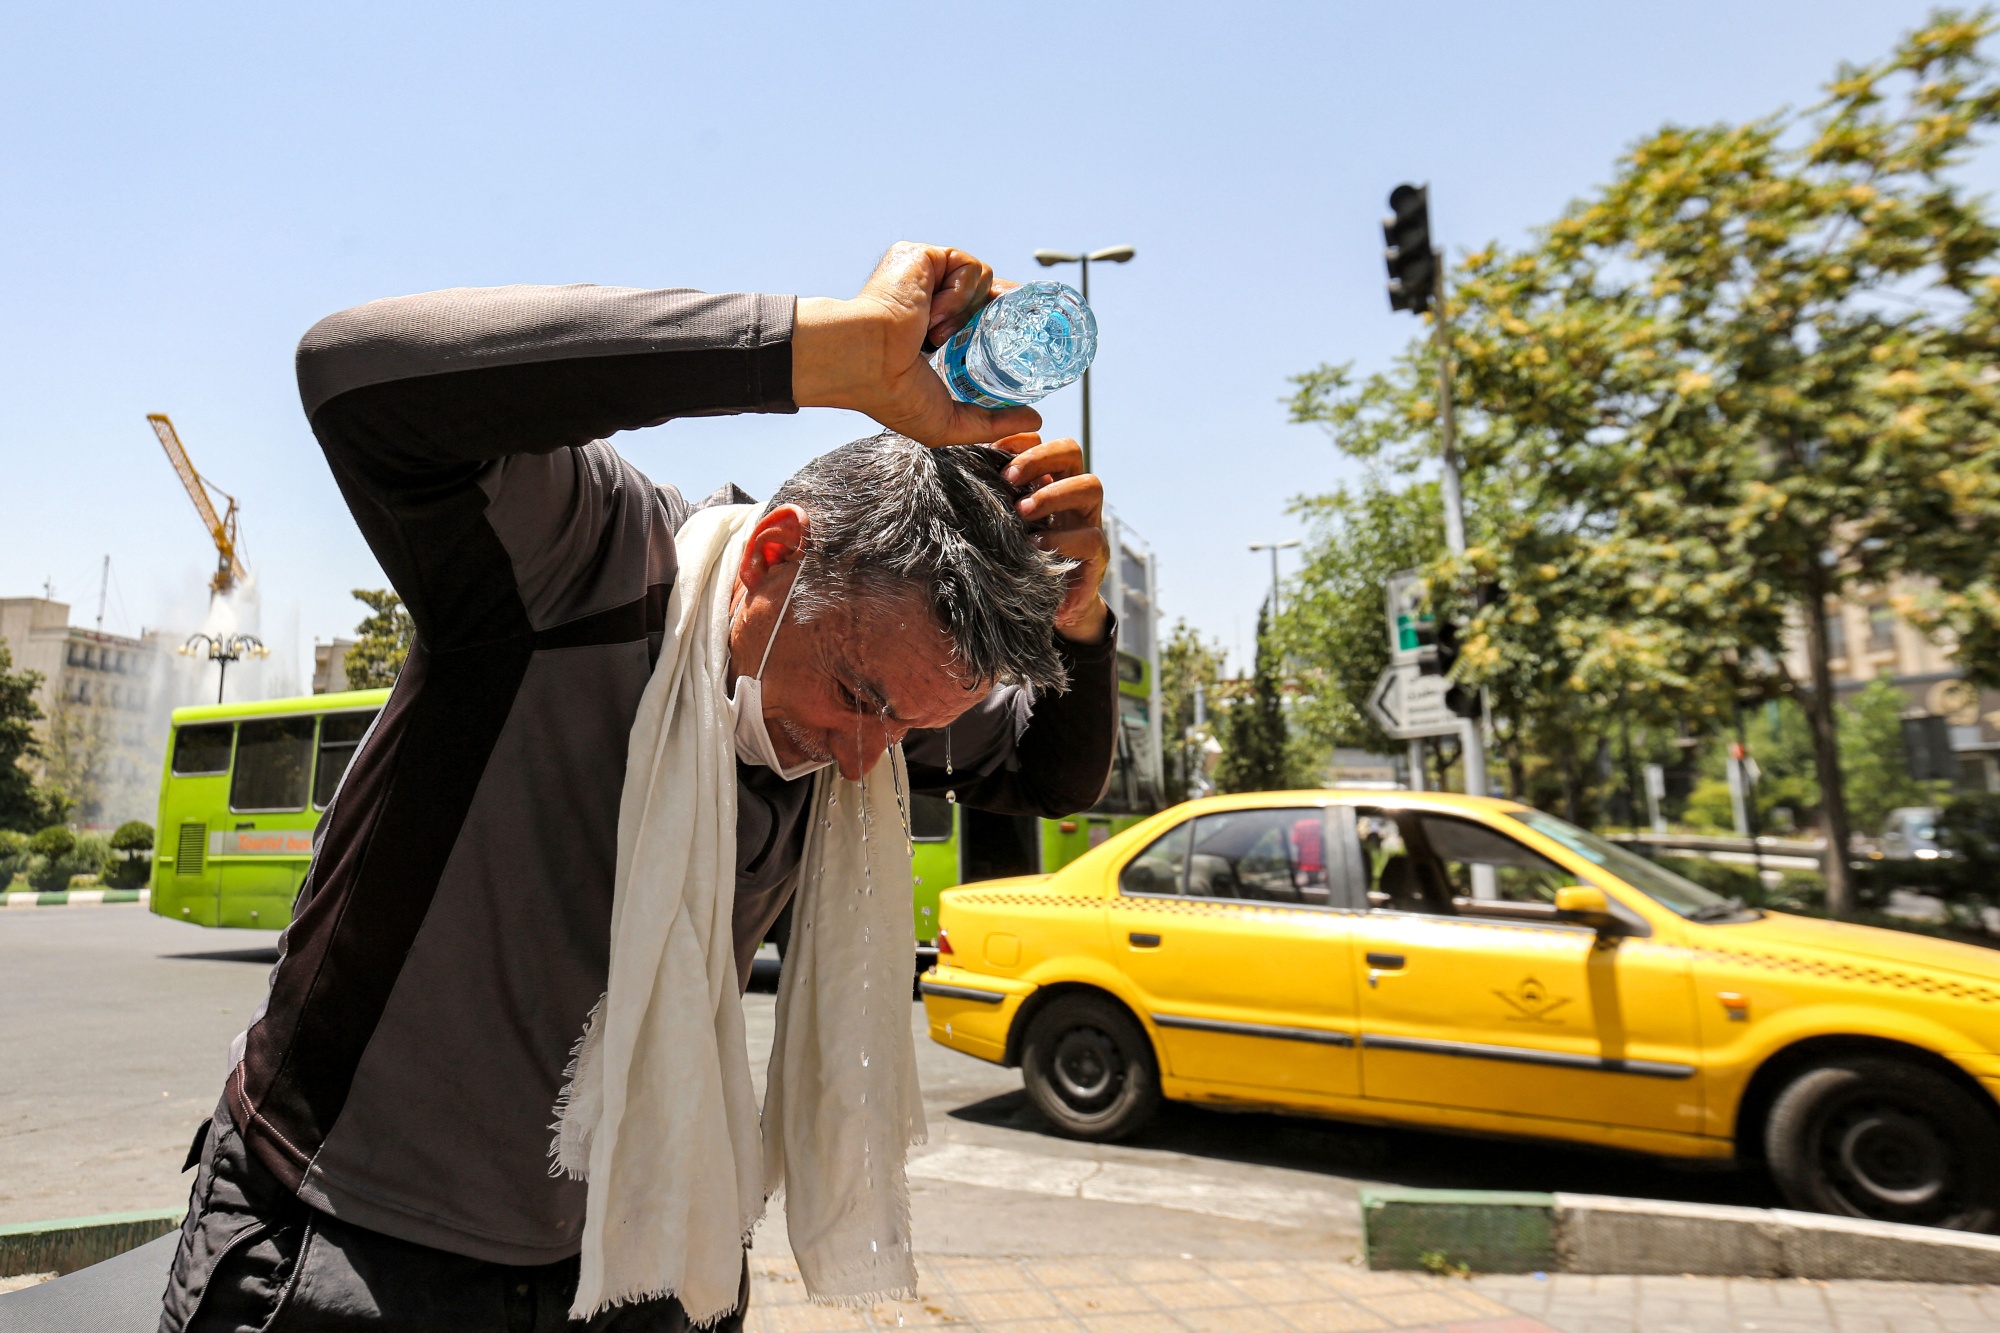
pixel 664 1293
pixel 569 1148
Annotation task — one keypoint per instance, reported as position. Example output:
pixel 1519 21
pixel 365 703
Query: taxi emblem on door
pixel 1531 1002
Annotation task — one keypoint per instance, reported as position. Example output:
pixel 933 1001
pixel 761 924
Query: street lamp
pixel 1110 254
pixel 1274 548
pixel 222 649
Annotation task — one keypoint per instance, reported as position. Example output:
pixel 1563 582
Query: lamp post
pixel 222 649
pixel 1110 254
pixel 1274 548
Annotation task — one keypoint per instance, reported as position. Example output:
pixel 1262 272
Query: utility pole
pixel 1111 254
pixel 1416 284
pixel 1274 548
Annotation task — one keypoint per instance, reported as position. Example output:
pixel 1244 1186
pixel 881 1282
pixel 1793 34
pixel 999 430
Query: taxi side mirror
pixel 1587 906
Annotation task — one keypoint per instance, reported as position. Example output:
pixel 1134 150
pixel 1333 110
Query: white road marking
pixel 1124 1182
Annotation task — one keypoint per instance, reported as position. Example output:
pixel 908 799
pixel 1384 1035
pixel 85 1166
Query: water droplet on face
pixel 873 1248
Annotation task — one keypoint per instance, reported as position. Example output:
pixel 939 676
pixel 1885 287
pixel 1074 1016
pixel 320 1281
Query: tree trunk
pixel 1819 704
pixel 1571 785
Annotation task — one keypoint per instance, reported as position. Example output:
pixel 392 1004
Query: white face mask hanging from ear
pixel 746 710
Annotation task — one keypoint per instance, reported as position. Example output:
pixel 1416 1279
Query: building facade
pixel 330 666
pixel 101 733
pixel 1866 639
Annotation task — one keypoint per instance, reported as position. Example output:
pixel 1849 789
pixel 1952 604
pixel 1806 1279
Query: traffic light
pixel 1457 698
pixel 1412 262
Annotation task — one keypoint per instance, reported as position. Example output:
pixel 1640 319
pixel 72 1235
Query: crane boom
pixel 221 530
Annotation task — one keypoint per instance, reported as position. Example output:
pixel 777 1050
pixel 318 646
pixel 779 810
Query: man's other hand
pixel 869 354
pixel 1066 505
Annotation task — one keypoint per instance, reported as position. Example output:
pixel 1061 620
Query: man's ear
pixel 777 540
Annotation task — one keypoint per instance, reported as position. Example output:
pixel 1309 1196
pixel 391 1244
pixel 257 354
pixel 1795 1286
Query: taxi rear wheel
pixel 1089 1068
pixel 1886 1140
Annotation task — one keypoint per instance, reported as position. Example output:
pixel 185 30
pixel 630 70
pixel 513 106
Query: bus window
pixel 203 748
pixel 339 735
pixel 273 764
pixel 930 819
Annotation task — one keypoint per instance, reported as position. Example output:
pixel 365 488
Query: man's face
pixel 853 680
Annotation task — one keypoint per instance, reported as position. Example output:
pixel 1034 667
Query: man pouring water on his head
pixel 500 1080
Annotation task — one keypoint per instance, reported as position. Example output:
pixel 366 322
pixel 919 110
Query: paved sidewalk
pixel 1139 1296
pixel 1112 1295
pixel 1581 1303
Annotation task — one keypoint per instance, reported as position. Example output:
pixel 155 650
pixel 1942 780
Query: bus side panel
pixel 186 880
pixel 1060 848
pixel 257 889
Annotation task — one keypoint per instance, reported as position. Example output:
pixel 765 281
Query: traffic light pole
pixel 1472 737
pixel 1086 374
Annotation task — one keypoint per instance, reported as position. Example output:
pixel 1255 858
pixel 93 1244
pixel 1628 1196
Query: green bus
pixel 243 789
pixel 245 784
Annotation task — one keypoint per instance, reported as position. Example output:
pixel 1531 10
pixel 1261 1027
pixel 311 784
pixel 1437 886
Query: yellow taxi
pixel 1478 965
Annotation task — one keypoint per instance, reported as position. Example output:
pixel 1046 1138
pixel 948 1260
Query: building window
pixel 1881 628
pixel 1836 631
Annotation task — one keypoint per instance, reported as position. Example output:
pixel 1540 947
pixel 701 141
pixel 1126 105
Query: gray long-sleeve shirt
pixel 454 929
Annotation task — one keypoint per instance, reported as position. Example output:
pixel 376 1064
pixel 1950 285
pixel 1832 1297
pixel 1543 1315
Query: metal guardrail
pixel 1704 842
pixel 1774 853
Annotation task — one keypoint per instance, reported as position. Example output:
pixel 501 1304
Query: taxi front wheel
pixel 1886 1140
pixel 1089 1068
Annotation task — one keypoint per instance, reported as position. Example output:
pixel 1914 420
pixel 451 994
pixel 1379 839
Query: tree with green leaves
pixel 1256 750
pixel 1754 372
pixel 1333 629
pixel 25 805
pixel 384 640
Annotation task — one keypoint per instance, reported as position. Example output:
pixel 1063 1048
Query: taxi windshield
pixel 1663 886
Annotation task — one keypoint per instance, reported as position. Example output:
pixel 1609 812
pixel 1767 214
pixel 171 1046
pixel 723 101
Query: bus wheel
pixel 1089 1068
pixel 1886 1140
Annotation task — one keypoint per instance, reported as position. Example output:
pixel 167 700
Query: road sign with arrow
pixel 1409 705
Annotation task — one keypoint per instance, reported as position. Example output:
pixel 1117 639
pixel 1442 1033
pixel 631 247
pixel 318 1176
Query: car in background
pixel 1473 964
pixel 1911 834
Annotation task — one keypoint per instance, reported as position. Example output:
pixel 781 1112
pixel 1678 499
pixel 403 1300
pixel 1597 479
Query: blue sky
pixel 184 189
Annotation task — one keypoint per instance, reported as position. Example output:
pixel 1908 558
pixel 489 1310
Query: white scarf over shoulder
pixel 660 1116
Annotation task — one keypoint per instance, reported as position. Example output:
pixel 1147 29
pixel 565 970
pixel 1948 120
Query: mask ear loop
pixel 783 607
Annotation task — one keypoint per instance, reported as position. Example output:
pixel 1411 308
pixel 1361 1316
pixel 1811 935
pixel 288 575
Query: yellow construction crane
pixel 229 569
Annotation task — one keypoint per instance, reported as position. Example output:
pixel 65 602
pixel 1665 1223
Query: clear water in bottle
pixel 1021 347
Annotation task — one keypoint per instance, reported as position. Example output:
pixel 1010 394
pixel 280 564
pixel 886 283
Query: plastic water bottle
pixel 1020 347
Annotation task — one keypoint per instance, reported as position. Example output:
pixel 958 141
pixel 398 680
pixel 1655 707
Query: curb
pixel 76 898
pixel 1489 1231
pixel 78 1242
pixel 1495 1232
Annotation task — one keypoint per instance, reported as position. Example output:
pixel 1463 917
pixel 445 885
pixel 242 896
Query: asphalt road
pixel 119 1025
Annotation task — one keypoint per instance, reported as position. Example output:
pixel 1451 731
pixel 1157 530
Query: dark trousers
pixel 254 1259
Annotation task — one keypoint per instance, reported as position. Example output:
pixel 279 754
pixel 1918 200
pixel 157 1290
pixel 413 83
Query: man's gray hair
pixel 890 517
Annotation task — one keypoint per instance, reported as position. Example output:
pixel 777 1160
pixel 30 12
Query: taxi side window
pixel 1260 855
pixel 1402 876
pixel 1162 867
pixel 1521 876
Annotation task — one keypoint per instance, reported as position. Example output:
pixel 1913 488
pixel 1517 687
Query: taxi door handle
pixel 1378 963
pixel 1142 940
